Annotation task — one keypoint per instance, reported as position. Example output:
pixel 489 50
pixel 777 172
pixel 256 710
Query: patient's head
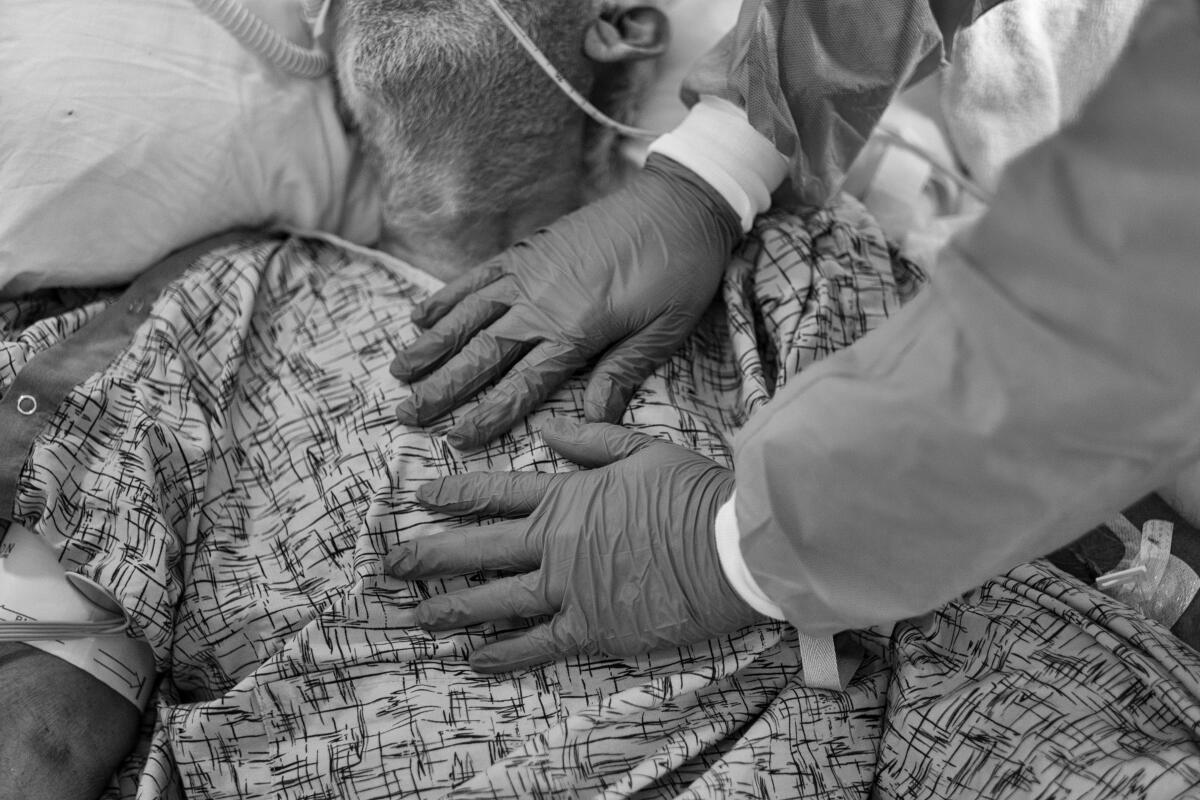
pixel 474 145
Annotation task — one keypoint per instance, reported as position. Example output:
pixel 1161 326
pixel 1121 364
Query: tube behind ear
pixel 629 34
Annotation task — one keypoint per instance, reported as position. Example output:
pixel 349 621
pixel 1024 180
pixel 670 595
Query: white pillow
pixel 133 127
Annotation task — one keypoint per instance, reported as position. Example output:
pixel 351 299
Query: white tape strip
pixel 824 667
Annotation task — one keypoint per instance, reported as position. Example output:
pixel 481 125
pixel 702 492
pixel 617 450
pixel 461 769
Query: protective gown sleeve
pixel 1048 375
pixel 814 76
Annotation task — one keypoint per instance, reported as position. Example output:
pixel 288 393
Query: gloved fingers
pixel 549 641
pixel 593 444
pixel 448 336
pixel 624 367
pixel 479 363
pixel 437 305
pixel 523 389
pixel 510 494
pixel 503 546
pixel 502 598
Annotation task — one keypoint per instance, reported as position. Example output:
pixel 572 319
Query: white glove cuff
pixel 818 655
pixel 734 566
pixel 717 142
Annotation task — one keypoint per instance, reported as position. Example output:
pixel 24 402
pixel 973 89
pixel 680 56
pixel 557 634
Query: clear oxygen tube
pixel 562 83
pixel 967 185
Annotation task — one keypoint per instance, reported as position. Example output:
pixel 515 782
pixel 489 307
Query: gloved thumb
pixel 627 365
pixel 593 444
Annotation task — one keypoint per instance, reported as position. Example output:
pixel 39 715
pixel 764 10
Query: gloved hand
pixel 623 556
pixel 632 272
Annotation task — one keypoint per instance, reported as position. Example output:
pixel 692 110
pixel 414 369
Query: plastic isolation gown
pixel 1047 376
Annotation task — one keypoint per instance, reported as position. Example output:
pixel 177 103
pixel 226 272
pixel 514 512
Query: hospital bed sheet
pixel 236 477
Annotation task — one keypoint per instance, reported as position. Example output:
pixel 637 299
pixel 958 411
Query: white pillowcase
pixel 134 127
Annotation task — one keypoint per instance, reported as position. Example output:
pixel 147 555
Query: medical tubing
pixel 260 38
pixel 969 186
pixel 563 83
pixel 316 12
pixel 37 630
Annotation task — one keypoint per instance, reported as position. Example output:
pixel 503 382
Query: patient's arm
pixel 62 731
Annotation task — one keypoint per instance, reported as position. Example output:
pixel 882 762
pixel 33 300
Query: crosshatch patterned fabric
pixel 237 475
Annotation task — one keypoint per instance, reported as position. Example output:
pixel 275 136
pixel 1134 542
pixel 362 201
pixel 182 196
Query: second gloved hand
pixel 625 278
pixel 623 557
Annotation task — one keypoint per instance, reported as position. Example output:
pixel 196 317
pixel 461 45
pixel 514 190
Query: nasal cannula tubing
pixel 563 83
pixel 969 186
pixel 312 63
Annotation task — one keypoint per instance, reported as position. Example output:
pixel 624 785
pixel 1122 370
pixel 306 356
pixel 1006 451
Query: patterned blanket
pixel 236 476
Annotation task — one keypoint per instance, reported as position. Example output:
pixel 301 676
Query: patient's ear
pixel 627 34
pixel 623 44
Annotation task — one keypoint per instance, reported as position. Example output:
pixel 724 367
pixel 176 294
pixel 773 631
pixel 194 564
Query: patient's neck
pixel 452 235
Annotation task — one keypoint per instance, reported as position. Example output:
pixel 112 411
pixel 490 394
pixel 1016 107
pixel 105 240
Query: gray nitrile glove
pixel 623 557
pixel 625 278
